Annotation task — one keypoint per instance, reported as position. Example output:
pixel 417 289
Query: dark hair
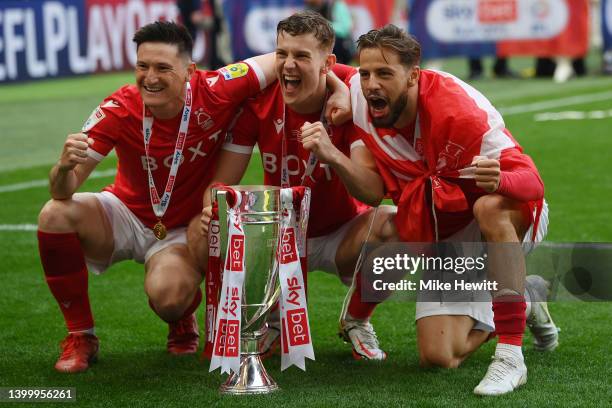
pixel 166 32
pixel 308 22
pixel 395 39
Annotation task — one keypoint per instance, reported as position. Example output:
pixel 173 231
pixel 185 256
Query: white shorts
pixel 131 238
pixel 482 312
pixel 322 250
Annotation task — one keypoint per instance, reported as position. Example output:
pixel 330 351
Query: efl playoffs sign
pixel 503 27
pixel 253 22
pixel 45 38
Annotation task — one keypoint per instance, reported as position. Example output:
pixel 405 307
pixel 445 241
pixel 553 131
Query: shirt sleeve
pixel 519 177
pixel 242 134
pixel 344 72
pixel 234 83
pixel 102 126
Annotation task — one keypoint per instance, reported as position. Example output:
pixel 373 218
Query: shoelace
pixel 367 334
pixel 499 368
pixel 70 345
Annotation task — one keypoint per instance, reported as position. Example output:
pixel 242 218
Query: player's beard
pixel 395 110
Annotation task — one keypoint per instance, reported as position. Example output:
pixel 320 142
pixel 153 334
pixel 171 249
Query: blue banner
pixel 253 24
pixel 606 23
pixel 420 22
pixel 504 27
pixel 41 39
pixel 47 39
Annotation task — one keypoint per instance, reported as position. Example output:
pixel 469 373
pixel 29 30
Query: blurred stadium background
pixel 55 63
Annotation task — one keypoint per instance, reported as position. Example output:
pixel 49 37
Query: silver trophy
pixel 260 213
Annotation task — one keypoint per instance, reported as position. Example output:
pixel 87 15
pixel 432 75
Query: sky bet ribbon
pixel 226 350
pixel 296 343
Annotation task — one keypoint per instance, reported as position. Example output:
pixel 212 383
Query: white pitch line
pixel 18 227
pixel 573 115
pixel 44 182
pixel 556 103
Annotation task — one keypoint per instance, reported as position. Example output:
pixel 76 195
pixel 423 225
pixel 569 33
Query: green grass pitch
pixel 133 368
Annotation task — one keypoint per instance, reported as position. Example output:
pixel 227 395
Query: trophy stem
pixel 252 378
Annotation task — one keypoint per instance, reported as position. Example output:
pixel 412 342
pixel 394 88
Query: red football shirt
pixel 426 166
pixel 117 123
pixel 261 122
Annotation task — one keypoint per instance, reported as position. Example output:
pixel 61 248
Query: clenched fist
pixel 487 173
pixel 75 151
pixel 315 139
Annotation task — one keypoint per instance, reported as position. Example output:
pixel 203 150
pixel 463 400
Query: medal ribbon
pixel 296 341
pixel 226 350
pixel 311 164
pixel 161 205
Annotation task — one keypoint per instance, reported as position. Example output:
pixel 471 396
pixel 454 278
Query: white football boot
pixel 540 323
pixel 506 372
pixel 362 337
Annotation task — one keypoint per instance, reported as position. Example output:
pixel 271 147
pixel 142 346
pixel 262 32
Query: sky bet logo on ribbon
pixel 236 255
pixel 288 252
pixel 297 327
pixel 227 338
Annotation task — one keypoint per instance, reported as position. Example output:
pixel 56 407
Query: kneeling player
pixel 455 173
pixel 282 120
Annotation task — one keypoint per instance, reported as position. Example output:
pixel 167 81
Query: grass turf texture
pixel 134 369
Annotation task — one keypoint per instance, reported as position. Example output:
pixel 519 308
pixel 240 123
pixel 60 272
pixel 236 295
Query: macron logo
pixel 278 124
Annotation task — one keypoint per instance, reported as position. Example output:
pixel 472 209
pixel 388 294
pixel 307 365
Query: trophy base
pixel 252 378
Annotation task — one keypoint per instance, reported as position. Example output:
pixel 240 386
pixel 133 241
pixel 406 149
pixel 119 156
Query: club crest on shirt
pixel 234 71
pixel 450 156
pixel 96 116
pixel 204 120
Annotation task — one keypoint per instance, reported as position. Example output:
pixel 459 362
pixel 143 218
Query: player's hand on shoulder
pixel 74 151
pixel 487 173
pixel 205 219
pixel 338 107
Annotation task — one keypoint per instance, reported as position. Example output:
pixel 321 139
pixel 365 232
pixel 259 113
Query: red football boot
pixel 184 336
pixel 79 350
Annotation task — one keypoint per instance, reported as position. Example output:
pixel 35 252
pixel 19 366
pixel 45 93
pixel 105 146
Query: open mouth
pixel 378 106
pixel 291 82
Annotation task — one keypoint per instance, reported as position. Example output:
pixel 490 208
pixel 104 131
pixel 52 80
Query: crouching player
pixel 181 111
pixel 455 173
pixel 283 120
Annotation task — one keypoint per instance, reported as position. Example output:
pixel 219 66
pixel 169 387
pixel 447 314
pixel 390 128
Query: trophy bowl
pixel 259 211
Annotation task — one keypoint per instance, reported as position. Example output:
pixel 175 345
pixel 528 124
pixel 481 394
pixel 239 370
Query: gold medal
pixel 159 230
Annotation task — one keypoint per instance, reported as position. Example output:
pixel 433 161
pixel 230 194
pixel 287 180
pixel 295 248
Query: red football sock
pixel 510 319
pixel 357 308
pixel 65 269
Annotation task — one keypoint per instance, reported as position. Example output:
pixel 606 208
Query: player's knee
pixel 384 229
pixel 170 299
pixel 54 216
pixel 435 355
pixel 493 219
